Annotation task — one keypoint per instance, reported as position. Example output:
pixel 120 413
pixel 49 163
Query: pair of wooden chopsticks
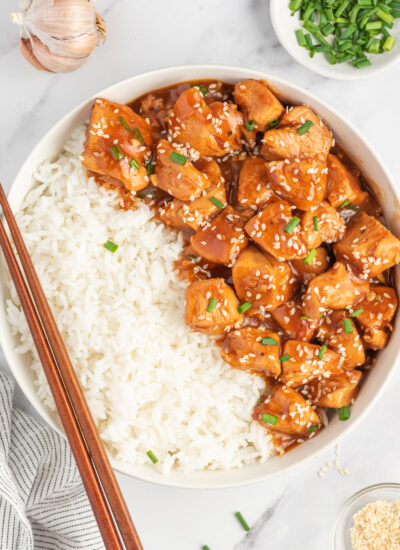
pixel 110 510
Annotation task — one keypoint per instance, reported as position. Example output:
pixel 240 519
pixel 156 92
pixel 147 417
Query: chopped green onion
pixel 269 342
pixel 357 312
pixel 109 245
pixel 344 413
pixel 273 124
pixel 295 5
pixel 315 223
pixel 211 305
pixel 178 158
pixel 116 152
pixel 345 203
pixel 205 547
pixel 218 203
pixel 311 257
pixel 304 318
pixel 137 134
pixel 291 225
pixel 250 125
pixel 269 419
pixel 348 327
pixel 148 167
pixel 242 521
pixel 313 428
pixel 124 123
pixel 384 16
pixel 304 128
pixel 195 259
pixel 301 40
pixel 389 43
pixel 152 457
pixel 134 163
pixel 322 351
pixel 201 88
pixel 284 358
pixel 244 307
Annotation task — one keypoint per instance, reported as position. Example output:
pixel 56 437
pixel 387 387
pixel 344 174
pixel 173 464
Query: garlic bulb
pixel 61 34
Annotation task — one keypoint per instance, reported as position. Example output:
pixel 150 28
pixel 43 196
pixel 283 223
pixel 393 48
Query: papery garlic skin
pixel 62 33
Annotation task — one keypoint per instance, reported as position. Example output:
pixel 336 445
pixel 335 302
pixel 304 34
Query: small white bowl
pixel 347 136
pixel 285 25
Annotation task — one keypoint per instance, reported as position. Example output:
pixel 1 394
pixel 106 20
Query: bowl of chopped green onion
pixel 343 39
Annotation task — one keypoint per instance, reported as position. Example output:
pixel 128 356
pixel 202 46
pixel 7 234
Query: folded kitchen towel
pixel 43 504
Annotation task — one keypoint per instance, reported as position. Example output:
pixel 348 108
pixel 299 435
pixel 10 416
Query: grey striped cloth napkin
pixel 43 504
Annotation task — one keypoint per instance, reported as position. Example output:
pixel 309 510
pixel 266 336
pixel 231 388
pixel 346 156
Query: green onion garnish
pixel 303 129
pixel 137 134
pixel 242 521
pixel 311 257
pixel 313 428
pixel 112 247
pixel 273 124
pixel 244 307
pixel 357 312
pixel 250 125
pixel 116 152
pixel 348 327
pixel 344 203
pixel 269 419
pixel 284 358
pixel 134 163
pixel 344 413
pixel 211 304
pixel 205 547
pixel 124 123
pixel 389 43
pixel 148 167
pixel 195 259
pixel 291 225
pixel 200 87
pixel 315 223
pixel 322 351
pixel 301 38
pixel 218 203
pixel 152 457
pixel 269 342
pixel 178 158
pixel 304 318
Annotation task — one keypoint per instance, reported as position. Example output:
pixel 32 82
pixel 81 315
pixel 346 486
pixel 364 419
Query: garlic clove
pixel 53 62
pixel 75 47
pixel 26 49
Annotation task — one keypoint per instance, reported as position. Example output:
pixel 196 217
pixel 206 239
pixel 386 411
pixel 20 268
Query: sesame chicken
pixel 291 319
pixel 308 271
pixel 339 390
pixel 258 102
pixel 342 184
pixel 320 224
pixel 254 190
pixel 375 313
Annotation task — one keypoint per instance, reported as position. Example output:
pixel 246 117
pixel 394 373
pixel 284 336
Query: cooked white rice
pixel 150 382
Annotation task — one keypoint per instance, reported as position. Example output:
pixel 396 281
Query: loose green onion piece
pixel 389 43
pixel 284 358
pixel 374 46
pixel 269 342
pixel 211 305
pixel 313 428
pixel 137 134
pixel 244 307
pixel 342 8
pixel 311 27
pixel 311 257
pixel 328 29
pixel 373 26
pixel 303 129
pixel 304 318
pixel 116 152
pixel 195 259
pixel 308 11
pixel 315 223
pixel 152 457
pixel 178 158
pixel 345 203
pixel 322 352
pixel 218 203
pixel 250 125
pixel 202 89
pixel 348 327
pixel 269 419
pixel 291 225
pixel 295 5
pixel 344 413
pixel 384 16
pixel 109 245
pixel 357 312
pixel 273 124
pixel 124 123
pixel 134 163
pixel 242 521
pixel 148 167
pixel 359 65
pixel 205 547
pixel 301 40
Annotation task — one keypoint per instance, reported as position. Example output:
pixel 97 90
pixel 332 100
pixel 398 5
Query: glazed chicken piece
pixel 222 238
pixel 176 175
pixel 301 183
pixel 305 362
pixel 253 348
pixel 378 309
pixel 342 184
pixel 291 319
pixel 261 279
pixel 254 190
pixel 118 144
pixel 347 343
pixel 286 411
pixel 210 130
pixel 258 102
pixel 308 271
pixel 271 229
pixel 337 288
pixel 212 307
pixel 368 246
pixel 335 392
pixel 321 224
pixel 285 141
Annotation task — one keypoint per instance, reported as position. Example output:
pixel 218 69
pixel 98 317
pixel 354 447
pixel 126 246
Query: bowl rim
pixel 236 72
pixel 316 68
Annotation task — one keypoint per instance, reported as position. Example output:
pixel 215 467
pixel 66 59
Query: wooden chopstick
pixel 71 404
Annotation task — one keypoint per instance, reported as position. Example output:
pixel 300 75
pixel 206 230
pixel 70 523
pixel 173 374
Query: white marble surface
pixel 294 511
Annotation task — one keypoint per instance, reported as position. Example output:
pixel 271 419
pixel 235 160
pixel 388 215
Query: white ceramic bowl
pixel 347 136
pixel 285 26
